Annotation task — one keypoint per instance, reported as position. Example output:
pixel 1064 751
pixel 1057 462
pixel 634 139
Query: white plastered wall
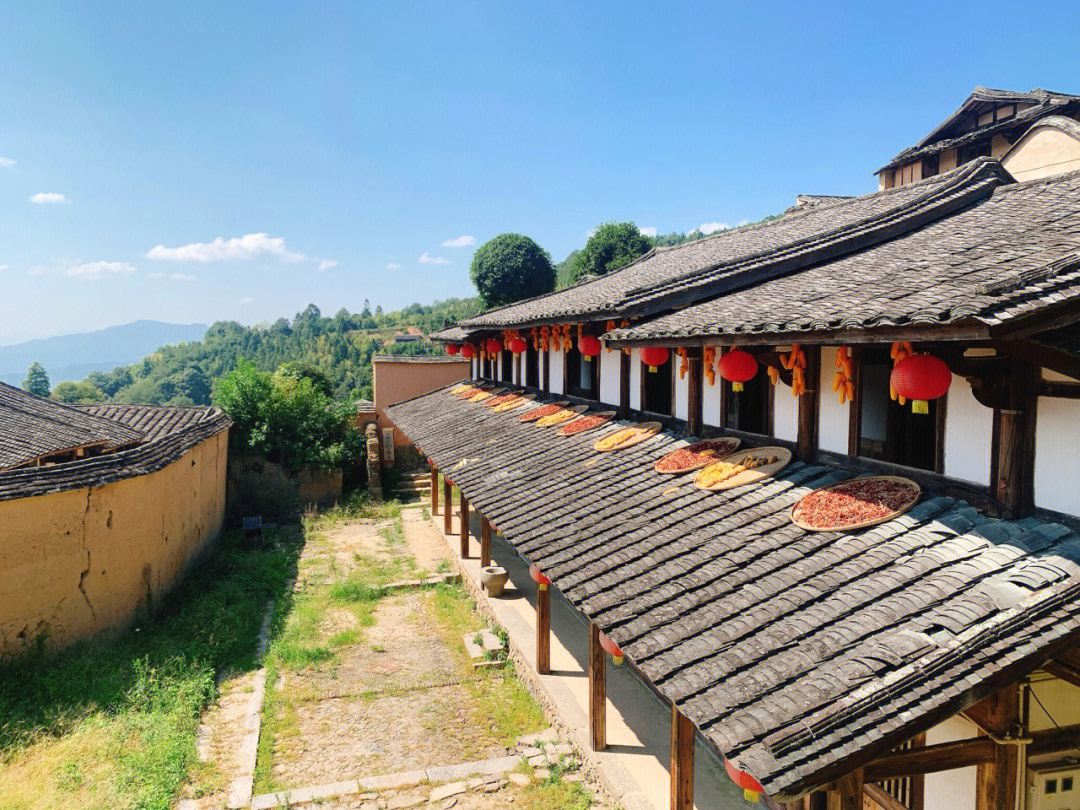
pixel 635 379
pixel 682 389
pixel 955 789
pixel 556 369
pixel 833 418
pixel 710 401
pixel 785 413
pixel 540 368
pixel 969 429
pixel 610 369
pixel 1057 464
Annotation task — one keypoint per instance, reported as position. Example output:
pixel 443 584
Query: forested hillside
pixel 340 347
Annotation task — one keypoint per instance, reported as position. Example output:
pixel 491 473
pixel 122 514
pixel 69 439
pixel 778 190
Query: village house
pixel 102 509
pixel 929 661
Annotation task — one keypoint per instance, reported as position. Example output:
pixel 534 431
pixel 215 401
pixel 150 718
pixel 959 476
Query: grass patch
pixel 554 794
pixel 113 724
pixel 358 505
pixel 506 706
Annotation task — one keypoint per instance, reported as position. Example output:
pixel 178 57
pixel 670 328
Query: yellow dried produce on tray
pixel 627 437
pixel 743 468
pixel 564 415
pixel 516 402
pixel 460 388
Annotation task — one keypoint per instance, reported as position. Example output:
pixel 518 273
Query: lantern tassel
pixel 751 795
pixel 736 386
pixel 588 358
pixel 617 660
pixel 652 369
pixel 919 406
pixel 541 586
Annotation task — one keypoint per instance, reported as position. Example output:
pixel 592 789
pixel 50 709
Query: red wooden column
pixel 448 508
pixel 995 782
pixel 543 629
pixel 485 542
pixel 682 761
pixel 434 490
pixel 464 514
pixel 597 690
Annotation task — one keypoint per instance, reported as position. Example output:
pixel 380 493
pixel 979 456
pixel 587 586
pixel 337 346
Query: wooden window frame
pixel 642 382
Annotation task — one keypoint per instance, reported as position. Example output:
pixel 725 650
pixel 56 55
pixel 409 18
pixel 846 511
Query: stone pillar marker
pixel 374 457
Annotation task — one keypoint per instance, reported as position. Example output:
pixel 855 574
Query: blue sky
pixel 223 160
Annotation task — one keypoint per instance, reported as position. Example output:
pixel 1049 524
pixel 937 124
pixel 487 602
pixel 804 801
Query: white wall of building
pixel 969 429
pixel 1057 464
pixel 785 413
pixel 540 368
pixel 833 418
pixel 635 379
pixel 556 369
pixel 710 401
pixel 682 389
pixel 955 789
pixel 610 369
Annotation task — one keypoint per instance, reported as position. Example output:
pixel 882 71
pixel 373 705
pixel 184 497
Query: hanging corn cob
pixel 843 384
pixel 609 326
pixel 795 362
pixel 901 350
pixel 708 357
pixel 681 351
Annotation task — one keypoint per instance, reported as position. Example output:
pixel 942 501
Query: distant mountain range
pixel 72 357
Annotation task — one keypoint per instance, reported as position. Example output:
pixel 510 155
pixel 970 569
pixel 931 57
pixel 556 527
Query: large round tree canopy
pixel 511 267
pixel 611 246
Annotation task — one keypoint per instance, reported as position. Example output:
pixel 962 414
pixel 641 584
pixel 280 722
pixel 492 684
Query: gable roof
pixel 31 427
pixel 153 421
pixel 694 270
pixel 799 655
pixel 1000 259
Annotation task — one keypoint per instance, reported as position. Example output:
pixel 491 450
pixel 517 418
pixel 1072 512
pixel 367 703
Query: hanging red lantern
pixel 467 350
pixel 655 356
pixel 493 346
pixel 589 346
pixel 751 787
pixel 921 377
pixel 611 648
pixel 737 366
pixel 541 581
pixel 518 345
pixel 452 349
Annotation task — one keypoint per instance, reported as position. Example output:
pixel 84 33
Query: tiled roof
pixel 31 427
pixel 795 653
pixel 449 334
pixel 1045 103
pixel 146 458
pixel 675 274
pixel 418 358
pixel 153 421
pixel 1012 254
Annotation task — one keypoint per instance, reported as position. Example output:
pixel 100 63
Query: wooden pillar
pixel 995 782
pixel 808 406
pixel 434 490
pixel 1014 453
pixel 624 385
pixel 464 515
pixel 694 393
pixel 485 542
pixel 855 406
pixel 918 782
pixel 545 357
pixel 847 793
pixel 597 690
pixel 543 629
pixel 725 391
pixel 682 761
pixel 448 508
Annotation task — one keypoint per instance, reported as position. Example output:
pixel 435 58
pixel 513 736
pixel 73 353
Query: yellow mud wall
pixel 1044 152
pixel 78 562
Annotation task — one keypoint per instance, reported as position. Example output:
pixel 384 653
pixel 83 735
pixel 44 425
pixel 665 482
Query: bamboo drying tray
pixel 783 458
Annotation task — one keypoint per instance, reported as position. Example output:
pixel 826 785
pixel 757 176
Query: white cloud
pixel 49 198
pixel 326 264
pixel 155 274
pixel 4 266
pixel 460 241
pixel 648 231
pixel 247 299
pixel 250 246
pixel 425 258
pixel 393 266
pixel 711 227
pixel 96 270
pixel 589 233
pixel 5 162
pixel 182 277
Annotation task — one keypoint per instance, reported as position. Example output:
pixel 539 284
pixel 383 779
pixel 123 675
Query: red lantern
pixel 919 378
pixel 738 367
pixel 467 350
pixel 655 356
pixel 611 648
pixel 538 578
pixel 589 346
pixel 452 349
pixel 518 345
pixel 493 346
pixel 752 788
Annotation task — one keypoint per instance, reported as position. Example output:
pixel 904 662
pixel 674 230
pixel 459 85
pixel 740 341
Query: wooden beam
pixel 682 761
pixel 545 357
pixel 434 490
pixel 1062 390
pixel 995 781
pixel 918 781
pixel 694 394
pixel 597 690
pixel 848 792
pixel 877 794
pixel 855 408
pixel 543 629
pixel 624 384
pixel 448 508
pixel 1070 657
pixel 464 516
pixel 1063 671
pixel 485 542
pixel 808 406
pixel 930 759
pixel 967 332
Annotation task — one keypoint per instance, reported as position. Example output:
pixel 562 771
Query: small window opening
pixel 532 367
pixel 656 388
pixel 748 410
pixel 507 366
pixel 890 431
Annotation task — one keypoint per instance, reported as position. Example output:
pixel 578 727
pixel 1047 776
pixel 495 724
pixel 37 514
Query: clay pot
pixel 493 578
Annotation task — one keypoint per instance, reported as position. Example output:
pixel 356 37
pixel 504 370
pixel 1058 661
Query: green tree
pixel 564 270
pixel 611 246
pixel 296 370
pixel 77 392
pixel 511 267
pixel 37 380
